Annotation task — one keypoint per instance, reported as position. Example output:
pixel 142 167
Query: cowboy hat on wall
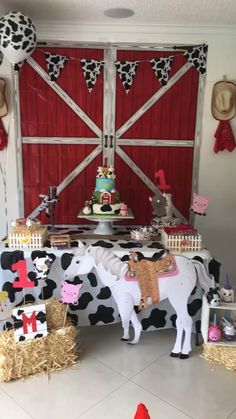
pixel 223 105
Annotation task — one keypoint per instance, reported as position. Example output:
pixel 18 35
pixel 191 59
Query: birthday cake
pixel 105 198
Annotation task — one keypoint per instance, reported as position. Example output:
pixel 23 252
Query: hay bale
pixel 47 354
pixel 62 348
pixel 223 355
pixel 6 355
pixel 55 313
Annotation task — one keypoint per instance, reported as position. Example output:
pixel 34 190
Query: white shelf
pixel 224 306
pixel 205 320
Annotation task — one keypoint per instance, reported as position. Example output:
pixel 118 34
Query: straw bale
pixel 62 348
pixel 55 313
pixel 223 355
pixel 47 354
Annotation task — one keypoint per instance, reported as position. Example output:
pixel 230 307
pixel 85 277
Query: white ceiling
pixel 176 12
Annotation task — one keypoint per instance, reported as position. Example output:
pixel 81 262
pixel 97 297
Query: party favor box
pixel 181 238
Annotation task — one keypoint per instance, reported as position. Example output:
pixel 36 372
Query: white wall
pixel 217 172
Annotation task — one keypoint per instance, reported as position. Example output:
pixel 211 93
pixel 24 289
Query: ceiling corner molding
pixel 74 31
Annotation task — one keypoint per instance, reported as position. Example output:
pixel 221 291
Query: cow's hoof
pixel 184 356
pixel 174 355
pixel 124 340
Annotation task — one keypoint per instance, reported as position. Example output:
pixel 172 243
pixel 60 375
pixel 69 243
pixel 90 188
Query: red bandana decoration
pixel 224 137
pixel 3 136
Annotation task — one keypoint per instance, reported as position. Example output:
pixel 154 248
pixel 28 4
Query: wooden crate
pixel 181 242
pixel 28 239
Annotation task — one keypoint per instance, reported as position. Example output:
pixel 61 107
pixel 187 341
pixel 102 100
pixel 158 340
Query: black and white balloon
pixel 17 36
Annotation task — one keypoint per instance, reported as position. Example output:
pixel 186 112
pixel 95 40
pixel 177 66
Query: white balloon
pixel 17 37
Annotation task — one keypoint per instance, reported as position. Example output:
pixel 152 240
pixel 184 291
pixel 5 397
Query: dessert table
pixel 96 305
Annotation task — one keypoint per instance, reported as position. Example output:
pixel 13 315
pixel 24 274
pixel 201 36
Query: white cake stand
pixel 105 222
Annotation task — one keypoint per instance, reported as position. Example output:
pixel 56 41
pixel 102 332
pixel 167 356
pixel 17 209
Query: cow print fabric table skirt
pixel 96 305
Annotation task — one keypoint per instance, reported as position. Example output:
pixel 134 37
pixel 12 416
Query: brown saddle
pixel 147 272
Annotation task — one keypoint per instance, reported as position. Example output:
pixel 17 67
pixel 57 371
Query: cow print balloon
pixel 17 36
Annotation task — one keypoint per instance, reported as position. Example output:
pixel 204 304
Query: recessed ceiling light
pixel 118 13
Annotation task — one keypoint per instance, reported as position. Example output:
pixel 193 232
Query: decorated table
pixel 95 305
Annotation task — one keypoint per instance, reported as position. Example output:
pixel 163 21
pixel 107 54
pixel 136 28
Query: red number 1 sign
pixel 23 282
pixel 161 176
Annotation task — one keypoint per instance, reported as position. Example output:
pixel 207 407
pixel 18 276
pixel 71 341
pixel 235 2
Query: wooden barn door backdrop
pixel 137 109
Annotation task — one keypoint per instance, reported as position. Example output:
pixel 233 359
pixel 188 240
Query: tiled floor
pixel 112 378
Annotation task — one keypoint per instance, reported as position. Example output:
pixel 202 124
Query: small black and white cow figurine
pixel 213 297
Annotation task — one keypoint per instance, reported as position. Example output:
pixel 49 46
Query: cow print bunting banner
pixel 91 70
pixel 197 56
pixel 161 67
pixel 126 71
pixel 55 63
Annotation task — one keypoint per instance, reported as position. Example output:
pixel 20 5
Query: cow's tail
pixel 204 279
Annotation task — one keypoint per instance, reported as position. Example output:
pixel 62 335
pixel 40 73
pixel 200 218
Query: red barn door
pixel 68 131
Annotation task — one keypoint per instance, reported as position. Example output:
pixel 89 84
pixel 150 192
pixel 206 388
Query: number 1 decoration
pixel 161 176
pixel 24 282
